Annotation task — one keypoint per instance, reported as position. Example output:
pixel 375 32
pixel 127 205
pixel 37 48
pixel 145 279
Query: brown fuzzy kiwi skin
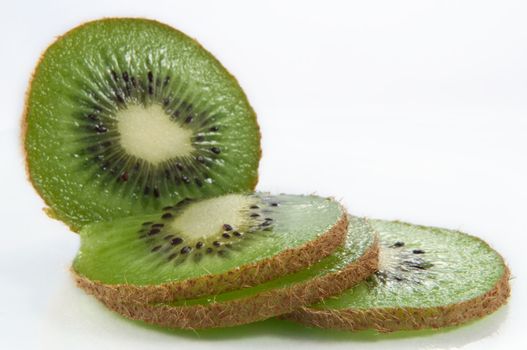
pixel 254 308
pixel 386 320
pixel 286 262
pixel 50 212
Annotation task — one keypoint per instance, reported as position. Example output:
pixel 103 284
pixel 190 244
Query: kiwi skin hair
pixel 288 261
pixel 256 307
pixel 390 319
pixel 75 221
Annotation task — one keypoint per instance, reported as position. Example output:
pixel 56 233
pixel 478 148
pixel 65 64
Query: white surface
pixel 414 110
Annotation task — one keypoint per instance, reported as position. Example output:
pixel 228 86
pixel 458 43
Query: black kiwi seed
pixel 158 225
pixel 167 208
pixel 274 204
pixel 398 244
pixel 124 176
pixel 185 250
pixel 209 250
pixel 226 235
pixel 119 98
pixel 227 227
pixel 199 245
pixel 125 76
pixel 104 167
pixel 198 182
pixel 183 202
pixel 179 166
pixel 146 223
pixel 237 234
pixel 156 248
pixel 188 119
pixel 265 223
pixel 417 266
pixel 167 216
pixel 171 256
pixel 255 215
pixel 185 179
pixel 156 192
pixel 100 128
pixel 268 219
pixel 214 128
pixel 153 231
pixel 254 207
pixel 418 251
pixel 215 150
pixel 216 244
pixel 176 241
pixel 150 77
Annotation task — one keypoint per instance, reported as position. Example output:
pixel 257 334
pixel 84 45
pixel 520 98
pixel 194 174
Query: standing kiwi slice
pixel 428 278
pixel 126 116
pixel 208 246
pixel 334 274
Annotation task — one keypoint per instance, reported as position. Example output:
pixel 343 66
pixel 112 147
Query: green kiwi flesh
pixel 208 246
pixel 348 265
pixel 125 116
pixel 428 278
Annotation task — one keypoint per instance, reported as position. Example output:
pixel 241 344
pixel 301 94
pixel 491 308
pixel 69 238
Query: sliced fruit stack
pixel 138 139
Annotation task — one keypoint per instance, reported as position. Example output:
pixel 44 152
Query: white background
pixel 413 110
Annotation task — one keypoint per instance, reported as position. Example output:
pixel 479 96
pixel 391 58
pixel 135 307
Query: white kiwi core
pixel 149 134
pixel 207 217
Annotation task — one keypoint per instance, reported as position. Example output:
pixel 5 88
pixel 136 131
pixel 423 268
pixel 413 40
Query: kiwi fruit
pixel 204 247
pixel 125 116
pixel 428 278
pixel 140 140
pixel 348 265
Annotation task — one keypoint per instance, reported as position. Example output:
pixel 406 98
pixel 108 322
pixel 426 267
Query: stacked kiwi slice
pixel 139 140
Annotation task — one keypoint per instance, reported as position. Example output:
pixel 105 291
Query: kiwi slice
pixel 348 265
pixel 428 278
pixel 208 246
pixel 126 116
